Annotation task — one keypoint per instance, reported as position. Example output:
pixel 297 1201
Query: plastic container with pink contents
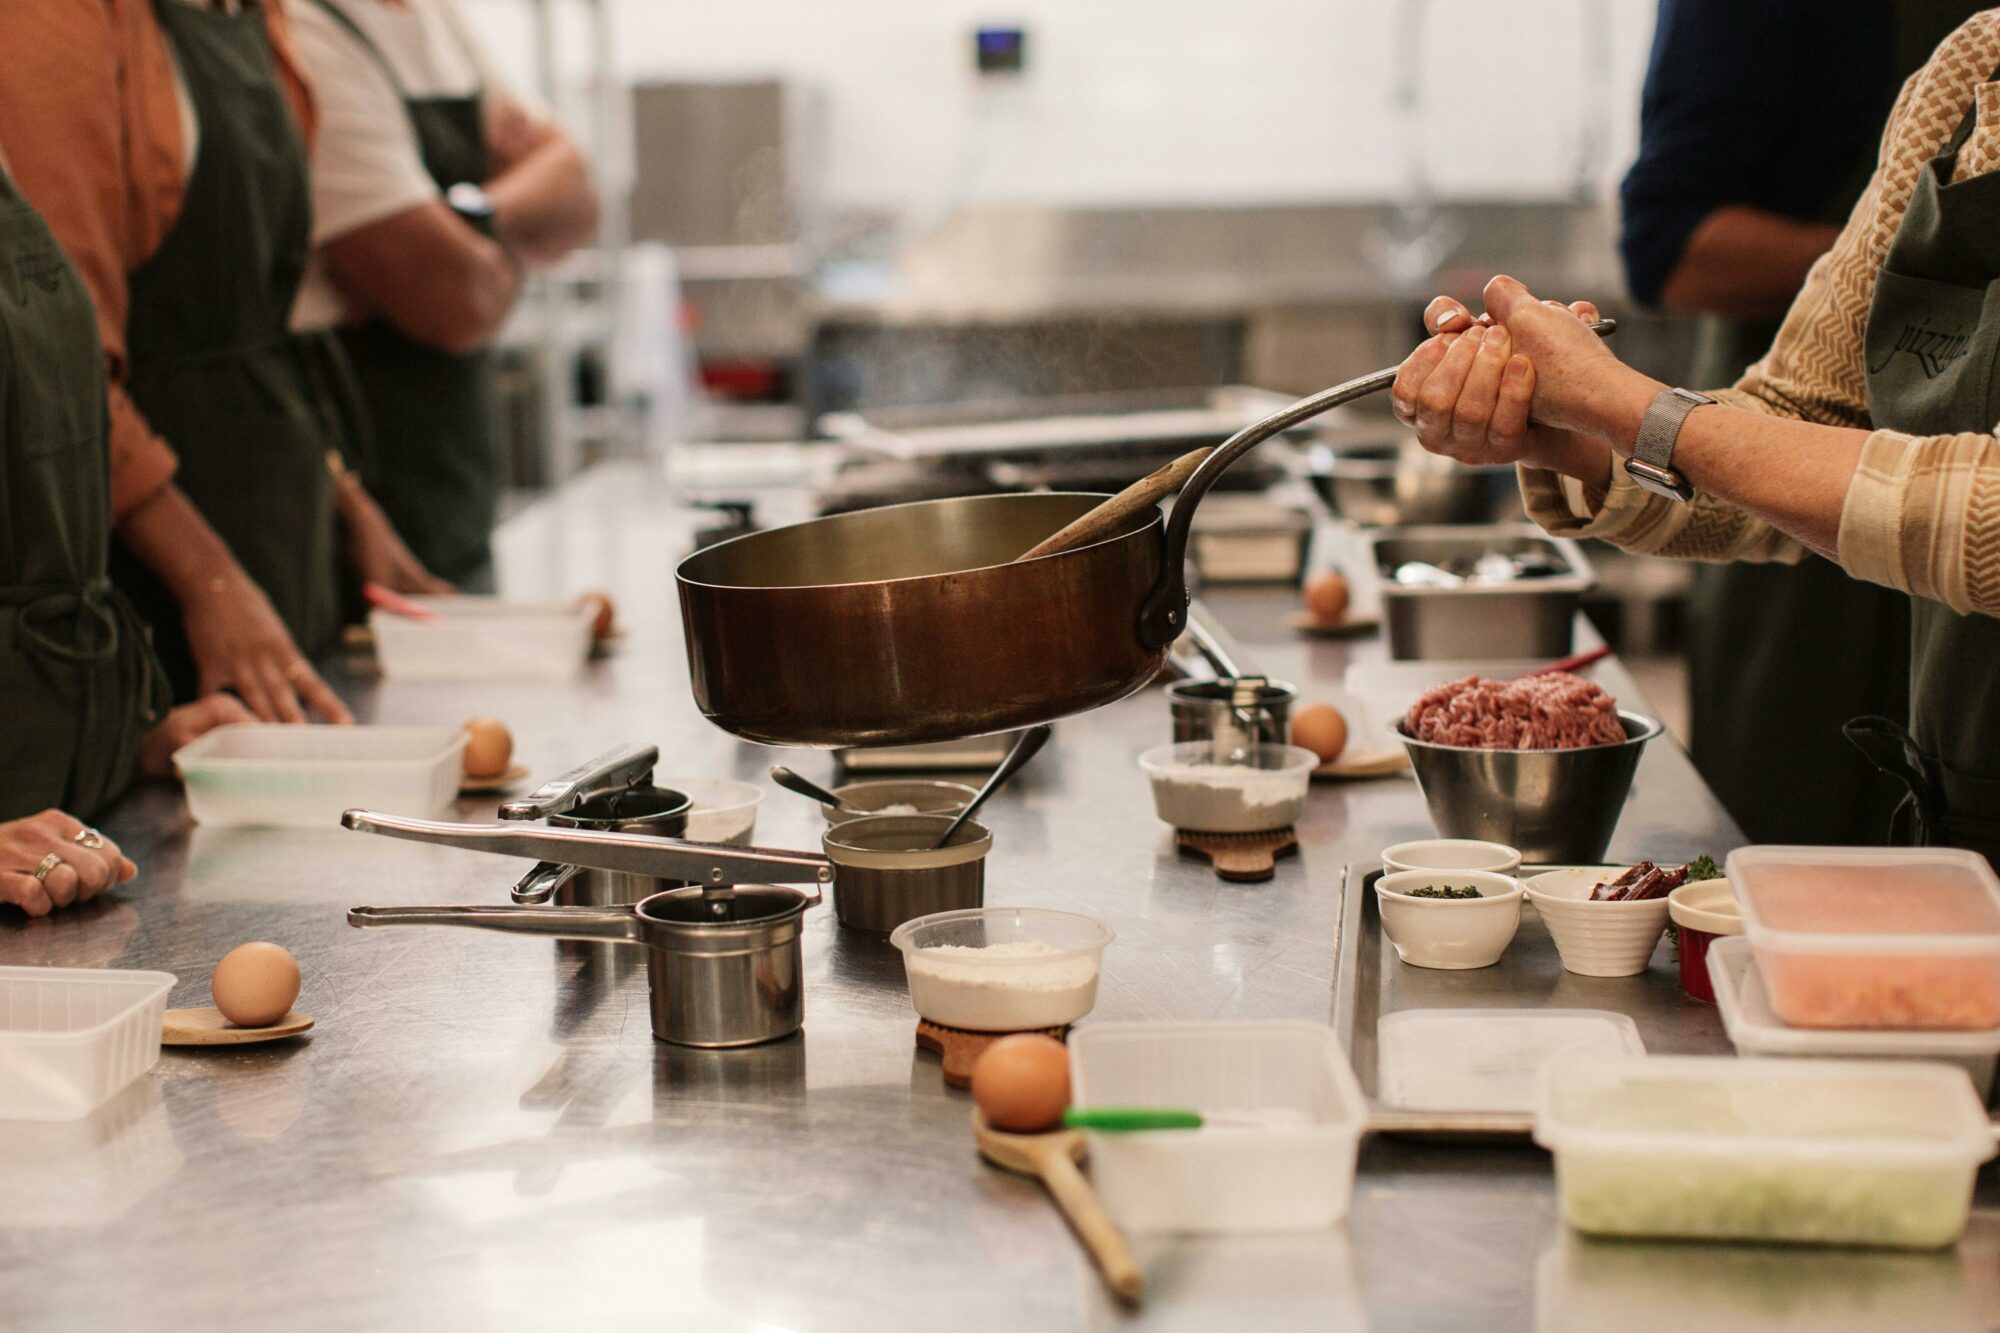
pixel 1850 937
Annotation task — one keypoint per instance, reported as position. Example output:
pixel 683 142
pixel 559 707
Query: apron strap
pixel 40 608
pixel 1949 152
pixel 1889 746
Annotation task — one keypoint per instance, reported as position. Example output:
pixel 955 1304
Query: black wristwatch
pixel 473 204
pixel 1652 462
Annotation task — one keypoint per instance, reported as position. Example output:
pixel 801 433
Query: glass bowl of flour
pixel 1002 969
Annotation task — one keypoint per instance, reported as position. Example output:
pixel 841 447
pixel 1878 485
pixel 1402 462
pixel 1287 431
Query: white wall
pixel 1166 101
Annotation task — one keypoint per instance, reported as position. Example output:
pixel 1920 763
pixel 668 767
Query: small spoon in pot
pixel 1024 749
pixel 805 786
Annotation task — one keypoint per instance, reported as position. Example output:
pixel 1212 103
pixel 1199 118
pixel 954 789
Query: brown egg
pixel 1327 595
pixel 489 747
pixel 1021 1083
pixel 607 614
pixel 1321 729
pixel 255 984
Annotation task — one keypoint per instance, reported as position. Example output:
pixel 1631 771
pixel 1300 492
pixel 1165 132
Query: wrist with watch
pixel 473 205
pixel 1652 462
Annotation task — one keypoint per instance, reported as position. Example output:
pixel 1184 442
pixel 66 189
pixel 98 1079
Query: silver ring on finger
pixel 89 838
pixel 45 865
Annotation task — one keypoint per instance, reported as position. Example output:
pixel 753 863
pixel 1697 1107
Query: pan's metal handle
pixel 1216 644
pixel 613 770
pixel 634 853
pixel 1164 616
pixel 541 884
pixel 553 923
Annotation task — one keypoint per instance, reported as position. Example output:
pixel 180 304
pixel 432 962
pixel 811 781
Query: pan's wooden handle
pixel 1100 1235
pixel 1102 521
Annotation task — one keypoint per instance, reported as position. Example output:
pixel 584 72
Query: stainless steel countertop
pixel 481 1132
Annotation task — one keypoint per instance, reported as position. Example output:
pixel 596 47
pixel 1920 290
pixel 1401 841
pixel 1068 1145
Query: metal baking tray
pixel 1072 425
pixel 1528 617
pixel 1369 982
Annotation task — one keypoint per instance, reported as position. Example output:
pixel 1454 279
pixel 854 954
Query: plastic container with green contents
pixel 1830 1152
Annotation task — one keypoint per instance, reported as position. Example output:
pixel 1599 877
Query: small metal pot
pixel 659 811
pixel 716 982
pixel 1207 710
pixel 886 871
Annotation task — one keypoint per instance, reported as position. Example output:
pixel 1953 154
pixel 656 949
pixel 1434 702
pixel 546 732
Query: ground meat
pixel 1557 711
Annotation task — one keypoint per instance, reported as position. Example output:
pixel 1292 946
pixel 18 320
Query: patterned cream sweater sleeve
pixel 1922 513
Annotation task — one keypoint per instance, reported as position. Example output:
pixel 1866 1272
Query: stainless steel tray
pixel 1530 617
pixel 1370 982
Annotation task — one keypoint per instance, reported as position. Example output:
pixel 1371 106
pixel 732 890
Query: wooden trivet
pixel 960 1049
pixel 1241 858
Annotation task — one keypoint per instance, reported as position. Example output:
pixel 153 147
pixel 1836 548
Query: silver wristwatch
pixel 1652 462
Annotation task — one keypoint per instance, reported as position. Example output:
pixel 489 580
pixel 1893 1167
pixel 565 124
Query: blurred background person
pixel 1758 131
pixel 164 141
pixel 434 183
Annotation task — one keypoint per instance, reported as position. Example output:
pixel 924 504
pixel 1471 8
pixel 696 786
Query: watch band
pixel 1652 461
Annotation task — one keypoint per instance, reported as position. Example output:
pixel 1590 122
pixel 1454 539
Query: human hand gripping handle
pixel 1526 383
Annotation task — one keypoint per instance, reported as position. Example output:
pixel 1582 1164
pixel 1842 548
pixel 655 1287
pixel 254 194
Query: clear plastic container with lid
pixel 1850 937
pixel 1754 1027
pixel 1816 1151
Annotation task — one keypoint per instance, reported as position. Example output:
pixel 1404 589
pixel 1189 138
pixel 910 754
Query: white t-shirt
pixel 366 163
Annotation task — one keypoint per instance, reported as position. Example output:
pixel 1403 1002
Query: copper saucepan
pixel 915 622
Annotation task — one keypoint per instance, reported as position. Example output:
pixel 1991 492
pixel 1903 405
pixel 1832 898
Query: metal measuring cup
pixel 888 870
pixel 714 982
pixel 1236 714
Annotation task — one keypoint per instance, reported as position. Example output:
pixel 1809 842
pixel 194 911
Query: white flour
pixel 1228 798
pixel 955 985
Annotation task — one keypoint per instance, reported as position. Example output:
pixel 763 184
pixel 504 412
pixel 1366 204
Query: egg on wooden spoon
pixel 1322 729
pixel 1021 1083
pixel 255 984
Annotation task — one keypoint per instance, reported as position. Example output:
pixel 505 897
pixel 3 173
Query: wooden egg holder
pixel 960 1049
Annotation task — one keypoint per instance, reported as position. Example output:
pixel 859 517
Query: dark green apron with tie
pixel 1781 656
pixel 435 462
pixel 252 410
pixel 1933 352
pixel 78 683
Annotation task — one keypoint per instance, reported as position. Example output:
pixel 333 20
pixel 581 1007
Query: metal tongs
pixel 711 865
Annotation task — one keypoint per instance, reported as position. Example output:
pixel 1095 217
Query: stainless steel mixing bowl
pixel 1396 484
pixel 1558 807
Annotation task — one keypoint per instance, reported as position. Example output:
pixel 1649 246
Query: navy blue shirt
pixel 1774 104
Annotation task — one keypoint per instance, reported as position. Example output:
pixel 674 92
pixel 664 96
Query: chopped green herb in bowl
pixel 1442 891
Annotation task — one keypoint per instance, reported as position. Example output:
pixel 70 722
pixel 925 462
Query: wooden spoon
pixel 1108 517
pixel 207 1027
pixel 1051 1158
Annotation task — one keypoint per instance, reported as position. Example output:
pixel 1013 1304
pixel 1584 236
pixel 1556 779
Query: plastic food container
pixel 1817 1151
pixel 484 638
pixel 1451 854
pixel 1286 1164
pixel 1453 934
pixel 724 810
pixel 1596 939
pixel 1850 937
pixel 1488 1060
pixel 1002 969
pixel 1702 912
pixel 71 1038
pixel 1195 790
pixel 1756 1029
pixel 898 796
pixel 271 774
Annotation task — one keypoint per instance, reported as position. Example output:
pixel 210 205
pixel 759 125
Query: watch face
pixel 1659 480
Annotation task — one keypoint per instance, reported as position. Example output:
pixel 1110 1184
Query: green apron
pixel 252 410
pixel 79 682
pixel 1781 656
pixel 435 461
pixel 1933 349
